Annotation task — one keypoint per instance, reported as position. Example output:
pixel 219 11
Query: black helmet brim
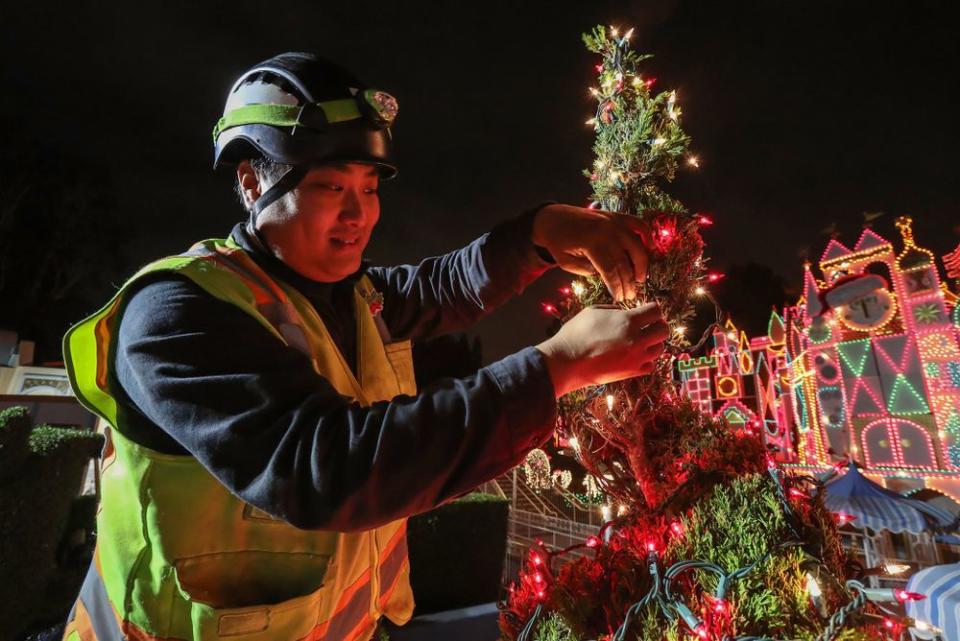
pixel 346 142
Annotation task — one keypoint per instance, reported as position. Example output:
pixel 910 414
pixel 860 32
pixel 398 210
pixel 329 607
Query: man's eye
pixel 333 187
pixel 371 190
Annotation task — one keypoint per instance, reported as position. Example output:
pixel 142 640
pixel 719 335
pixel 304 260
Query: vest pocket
pixel 239 579
pixel 400 356
pixel 254 595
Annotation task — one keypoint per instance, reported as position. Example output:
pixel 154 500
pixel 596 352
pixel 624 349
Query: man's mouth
pixel 345 242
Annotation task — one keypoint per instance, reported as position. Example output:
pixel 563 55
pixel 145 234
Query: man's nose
pixel 352 209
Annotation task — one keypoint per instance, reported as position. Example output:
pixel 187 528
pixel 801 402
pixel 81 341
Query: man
pixel 267 439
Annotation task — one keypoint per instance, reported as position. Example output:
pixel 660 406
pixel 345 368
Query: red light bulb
pixel 565 291
pixel 705 220
pixel 714 276
pixel 549 308
pixel 677 528
pixel 702 632
pixel 593 542
pixel 843 518
pixel 720 606
pixel 797 494
pixel 538 578
pixel 536 559
pixel 903 596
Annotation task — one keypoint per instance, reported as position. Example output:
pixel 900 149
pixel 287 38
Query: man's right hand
pixel 603 344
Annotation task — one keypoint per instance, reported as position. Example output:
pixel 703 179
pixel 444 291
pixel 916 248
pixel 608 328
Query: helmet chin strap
pixel 286 183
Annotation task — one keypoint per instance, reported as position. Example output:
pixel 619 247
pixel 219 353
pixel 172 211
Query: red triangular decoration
pixel 894 348
pixel 869 240
pixel 834 250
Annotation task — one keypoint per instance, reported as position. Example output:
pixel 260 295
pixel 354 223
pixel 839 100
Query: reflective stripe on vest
pixel 169 596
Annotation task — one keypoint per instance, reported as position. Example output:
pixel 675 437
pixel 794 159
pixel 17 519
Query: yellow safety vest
pixel 178 556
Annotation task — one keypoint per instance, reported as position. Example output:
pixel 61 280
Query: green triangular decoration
pixel 854 355
pixel 734 416
pixel 904 398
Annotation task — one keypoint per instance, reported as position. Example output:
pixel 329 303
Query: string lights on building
pixel 872 374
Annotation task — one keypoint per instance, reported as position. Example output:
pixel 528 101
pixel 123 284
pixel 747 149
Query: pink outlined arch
pixel 918 453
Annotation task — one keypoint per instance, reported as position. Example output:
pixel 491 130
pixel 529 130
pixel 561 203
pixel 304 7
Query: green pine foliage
pixel 639 142
pixel 737 524
pixel 639 147
pixel 554 628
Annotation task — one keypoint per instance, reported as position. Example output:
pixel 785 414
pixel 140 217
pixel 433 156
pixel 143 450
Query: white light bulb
pixel 923 626
pixel 895 568
pixel 699 291
pixel 578 288
pixel 610 401
pixel 813 588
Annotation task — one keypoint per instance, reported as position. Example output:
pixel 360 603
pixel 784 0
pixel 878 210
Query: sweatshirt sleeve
pixel 451 292
pixel 279 436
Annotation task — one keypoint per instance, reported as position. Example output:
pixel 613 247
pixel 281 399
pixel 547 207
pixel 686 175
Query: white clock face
pixel 868 312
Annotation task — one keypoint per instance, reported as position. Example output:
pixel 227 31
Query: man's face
pixel 321 228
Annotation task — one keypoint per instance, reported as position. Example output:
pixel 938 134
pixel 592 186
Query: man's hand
pixel 588 241
pixel 603 344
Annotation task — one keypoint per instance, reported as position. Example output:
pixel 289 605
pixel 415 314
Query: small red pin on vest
pixel 374 300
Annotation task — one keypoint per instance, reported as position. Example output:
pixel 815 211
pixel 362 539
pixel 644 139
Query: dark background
pixel 804 114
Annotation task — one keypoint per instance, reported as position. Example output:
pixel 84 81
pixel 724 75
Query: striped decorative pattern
pixel 877 508
pixel 941 608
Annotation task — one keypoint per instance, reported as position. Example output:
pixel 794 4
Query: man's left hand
pixel 590 241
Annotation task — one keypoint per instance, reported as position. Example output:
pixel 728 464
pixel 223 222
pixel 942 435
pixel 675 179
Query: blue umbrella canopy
pixel 941 608
pixel 877 508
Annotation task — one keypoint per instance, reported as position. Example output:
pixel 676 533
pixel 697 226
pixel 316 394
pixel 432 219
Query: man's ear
pixel 248 181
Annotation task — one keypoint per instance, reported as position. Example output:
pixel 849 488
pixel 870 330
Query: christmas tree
pixel 713 541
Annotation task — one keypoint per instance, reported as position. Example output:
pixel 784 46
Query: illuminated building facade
pixel 866 365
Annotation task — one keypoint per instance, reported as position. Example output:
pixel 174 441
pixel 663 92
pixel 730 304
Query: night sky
pixel 804 114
